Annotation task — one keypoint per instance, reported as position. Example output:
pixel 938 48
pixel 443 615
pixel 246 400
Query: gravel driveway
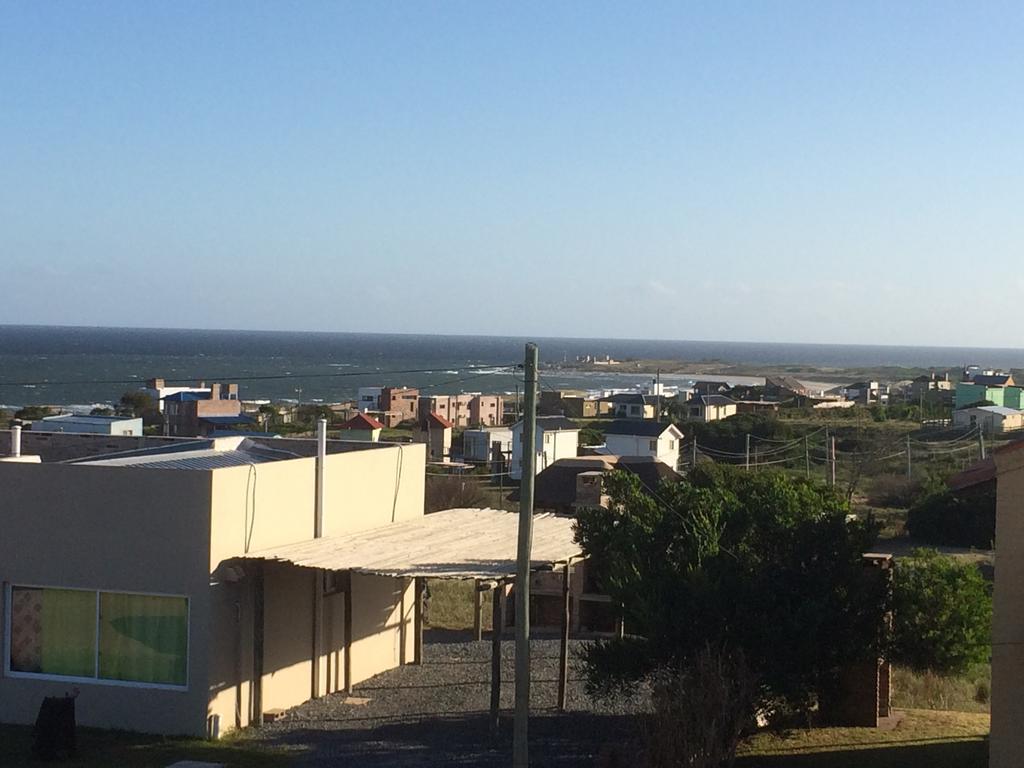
pixel 436 715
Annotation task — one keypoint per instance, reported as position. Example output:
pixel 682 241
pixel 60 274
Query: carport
pixel 477 544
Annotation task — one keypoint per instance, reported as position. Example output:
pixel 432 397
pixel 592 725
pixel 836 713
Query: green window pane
pixel 53 631
pixel 143 638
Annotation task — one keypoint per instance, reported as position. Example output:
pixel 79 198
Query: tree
pixel 757 564
pixel 453 492
pixel 33 412
pixel 140 403
pixel 942 614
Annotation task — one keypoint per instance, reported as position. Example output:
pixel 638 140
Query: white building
pixel 557 438
pixel 710 408
pixel 990 419
pixel 158 390
pixel 93 425
pixel 478 444
pixel 368 398
pixel 630 437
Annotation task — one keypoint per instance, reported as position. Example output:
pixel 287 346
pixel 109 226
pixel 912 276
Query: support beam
pixel 317 631
pixel 403 626
pixel 347 634
pixel 417 654
pixel 563 652
pixel 497 627
pixel 478 605
pixel 257 647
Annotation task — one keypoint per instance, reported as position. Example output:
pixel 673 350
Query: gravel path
pixel 436 715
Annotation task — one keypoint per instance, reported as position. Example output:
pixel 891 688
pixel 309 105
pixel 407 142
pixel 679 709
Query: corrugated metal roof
pixel 204 459
pixel 453 544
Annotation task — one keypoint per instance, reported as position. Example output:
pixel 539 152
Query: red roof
pixel 438 420
pixel 362 421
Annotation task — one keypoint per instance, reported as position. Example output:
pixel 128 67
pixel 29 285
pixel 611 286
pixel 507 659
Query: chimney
pixel 232 391
pixel 155 383
pixel 215 391
pixel 589 487
pixel 16 441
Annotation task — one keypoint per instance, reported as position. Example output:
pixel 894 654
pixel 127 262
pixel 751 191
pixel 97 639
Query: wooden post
pixel 497 627
pixel 347 636
pixel 478 604
pixel 257 646
pixel 403 629
pixel 563 655
pixel 417 654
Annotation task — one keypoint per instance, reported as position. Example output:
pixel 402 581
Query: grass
pixel 451 605
pixel 921 739
pixel 120 749
pixel 927 690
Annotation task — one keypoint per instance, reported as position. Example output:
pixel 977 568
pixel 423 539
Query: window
pixel 108 636
pixel 671 445
pixel 654 445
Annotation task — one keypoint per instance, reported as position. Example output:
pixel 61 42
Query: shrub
pixel 894 491
pixel 942 614
pixel 965 518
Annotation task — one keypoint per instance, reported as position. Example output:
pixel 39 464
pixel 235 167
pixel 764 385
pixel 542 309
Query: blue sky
pixel 785 171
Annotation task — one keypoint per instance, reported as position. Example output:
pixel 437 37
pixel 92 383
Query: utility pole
pixel 520 743
pixel 807 458
pixel 657 394
pixel 746 463
pixel 694 465
pixel 827 455
pixel 833 461
pixel 910 470
pixel 981 442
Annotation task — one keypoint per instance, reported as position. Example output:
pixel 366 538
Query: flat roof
pixel 453 544
pixel 90 419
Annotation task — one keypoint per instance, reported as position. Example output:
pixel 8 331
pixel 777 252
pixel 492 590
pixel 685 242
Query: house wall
pixel 666 450
pixel 120 427
pixel 1006 743
pixel 110 528
pixel 273 504
pixel 476 443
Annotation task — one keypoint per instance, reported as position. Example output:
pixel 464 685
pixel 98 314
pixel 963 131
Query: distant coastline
pixel 61 365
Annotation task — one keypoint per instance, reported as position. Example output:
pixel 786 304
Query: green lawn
pixel 118 749
pixel 921 739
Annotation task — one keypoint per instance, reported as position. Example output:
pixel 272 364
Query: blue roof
pixel 180 397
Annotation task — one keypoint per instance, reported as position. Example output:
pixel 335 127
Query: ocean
pixel 71 365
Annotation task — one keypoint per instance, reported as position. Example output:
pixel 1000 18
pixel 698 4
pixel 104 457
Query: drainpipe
pixel 16 440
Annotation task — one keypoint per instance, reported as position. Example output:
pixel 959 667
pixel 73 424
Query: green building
pixel 997 389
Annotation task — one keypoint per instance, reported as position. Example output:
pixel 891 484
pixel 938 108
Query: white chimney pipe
pixel 321 455
pixel 16 440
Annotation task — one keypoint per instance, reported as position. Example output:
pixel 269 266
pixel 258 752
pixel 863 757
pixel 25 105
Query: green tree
pixel 757 564
pixel 140 403
pixel 33 412
pixel 942 614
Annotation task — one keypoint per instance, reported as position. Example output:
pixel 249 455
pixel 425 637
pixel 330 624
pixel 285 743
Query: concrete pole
pixel 833 461
pixel 746 463
pixel 909 465
pixel 520 744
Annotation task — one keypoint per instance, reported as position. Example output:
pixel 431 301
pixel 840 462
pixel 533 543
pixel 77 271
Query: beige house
pixel 1006 743
pixel 709 408
pixel 465 410
pixel 126 575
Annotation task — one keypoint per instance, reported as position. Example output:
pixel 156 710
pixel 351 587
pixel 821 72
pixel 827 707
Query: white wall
pixel 559 444
pixel 667 449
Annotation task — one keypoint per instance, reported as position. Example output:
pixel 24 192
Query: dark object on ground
pixel 54 732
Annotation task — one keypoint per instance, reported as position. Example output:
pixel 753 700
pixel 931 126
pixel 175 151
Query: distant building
pixel 632 405
pixel 195 414
pixel 631 437
pixel 865 392
pixel 436 432
pixel 361 427
pixel 568 484
pixel 557 438
pixel 464 410
pixel 368 399
pixel 398 404
pixel 998 389
pixel 94 425
pixel 990 419
pixel 574 404
pixel 158 390
pixel 479 445
pixel 707 408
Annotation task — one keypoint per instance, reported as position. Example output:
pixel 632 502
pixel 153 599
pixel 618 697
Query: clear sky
pixel 763 171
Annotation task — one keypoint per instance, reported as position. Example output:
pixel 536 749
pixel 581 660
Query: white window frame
pixel 5 647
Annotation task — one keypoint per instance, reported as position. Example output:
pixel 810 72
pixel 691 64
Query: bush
pixel 453 492
pixel 965 518
pixel 942 614
pixel 894 491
